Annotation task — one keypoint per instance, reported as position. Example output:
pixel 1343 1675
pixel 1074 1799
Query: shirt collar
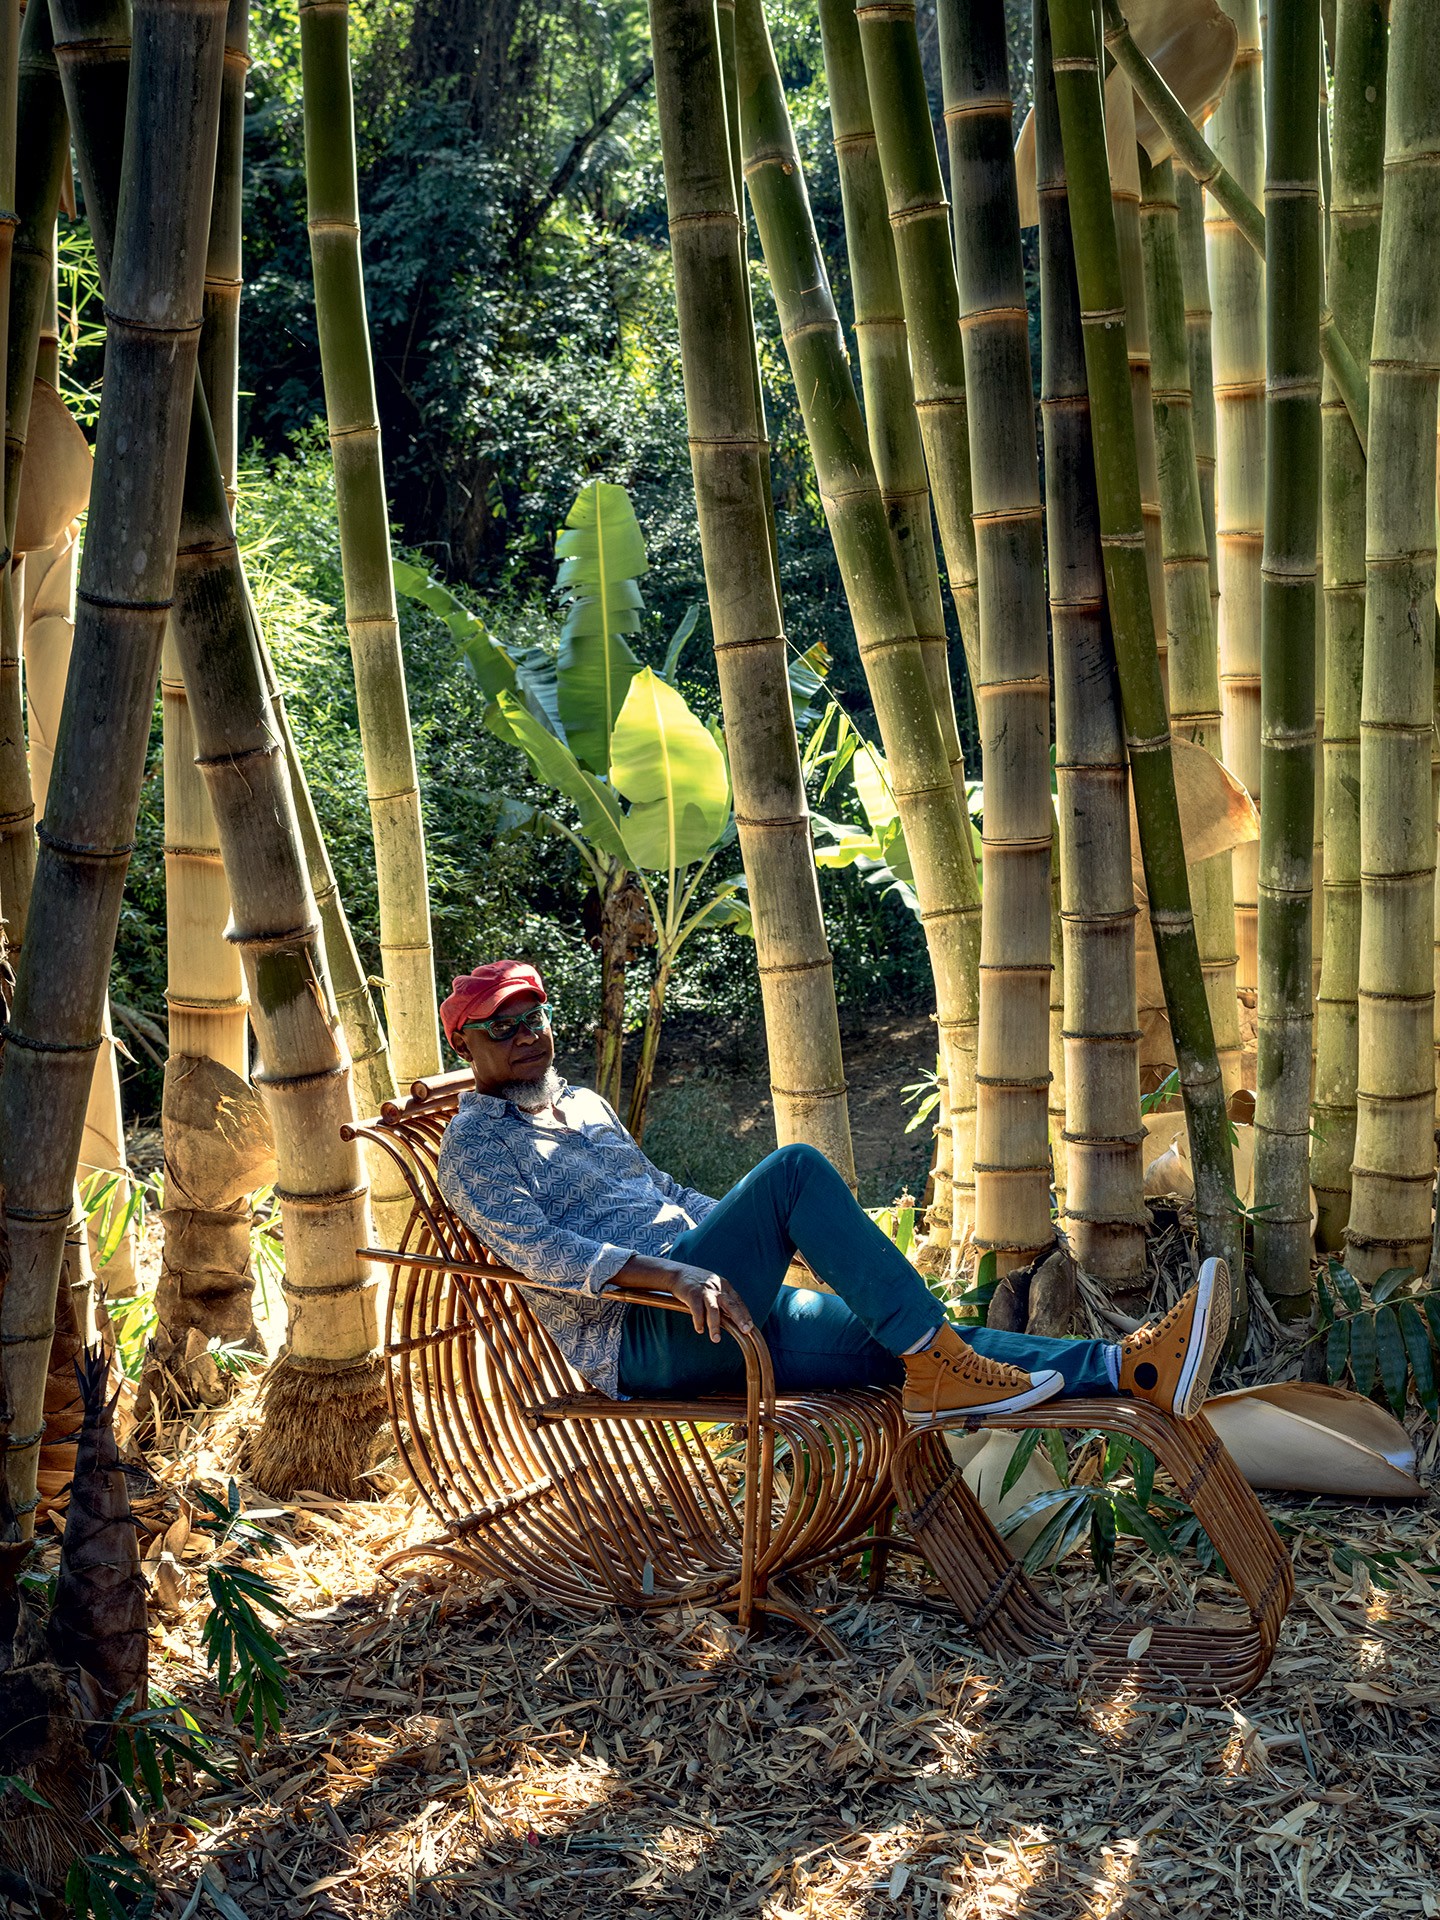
pixel 487 1102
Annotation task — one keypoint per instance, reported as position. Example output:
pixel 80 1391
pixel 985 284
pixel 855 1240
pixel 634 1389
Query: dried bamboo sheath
pixel 1012 1160
pixel 153 309
pixel 1288 606
pixel 1357 178
pixel 1194 681
pixel 1092 222
pixel 936 829
pixel 1390 1212
pixel 727 457
pixel 897 449
pixel 1104 1215
pixel 390 776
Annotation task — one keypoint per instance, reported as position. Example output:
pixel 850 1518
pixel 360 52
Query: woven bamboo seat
pixel 588 1503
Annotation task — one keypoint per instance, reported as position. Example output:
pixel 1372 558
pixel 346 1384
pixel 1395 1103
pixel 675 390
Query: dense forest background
pixel 525 342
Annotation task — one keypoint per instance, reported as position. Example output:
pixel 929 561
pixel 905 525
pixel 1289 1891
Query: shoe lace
pixel 985 1372
pixel 1157 1330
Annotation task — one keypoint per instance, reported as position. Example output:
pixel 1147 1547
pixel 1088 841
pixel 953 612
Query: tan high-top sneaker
pixel 1171 1362
pixel 948 1377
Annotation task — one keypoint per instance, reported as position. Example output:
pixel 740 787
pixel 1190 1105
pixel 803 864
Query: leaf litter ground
pixel 450 1750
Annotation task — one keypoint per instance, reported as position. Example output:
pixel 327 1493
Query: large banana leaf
pixel 670 770
pixel 601 551
pixel 601 822
pixel 528 671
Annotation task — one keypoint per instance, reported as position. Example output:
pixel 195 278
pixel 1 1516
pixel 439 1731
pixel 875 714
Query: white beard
pixel 531 1095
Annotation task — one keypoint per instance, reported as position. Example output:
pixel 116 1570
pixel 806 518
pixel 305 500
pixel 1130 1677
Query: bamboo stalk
pixel 1194 679
pixel 1092 223
pixel 919 223
pixel 1012 1172
pixel 1393 1174
pixel 937 834
pixel 898 451
pixel 325 1396
pixel 1104 1216
pixel 1287 686
pixel 332 197
pixel 153 314
pixel 17 805
pixel 1359 158
pixel 1195 280
pixel 802 1028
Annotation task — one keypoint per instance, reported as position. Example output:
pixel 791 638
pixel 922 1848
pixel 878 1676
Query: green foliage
pixel 1109 1495
pixel 246 1658
pixel 109 1886
pixel 1386 1343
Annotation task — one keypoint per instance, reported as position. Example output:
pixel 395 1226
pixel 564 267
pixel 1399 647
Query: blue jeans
pixel 795 1201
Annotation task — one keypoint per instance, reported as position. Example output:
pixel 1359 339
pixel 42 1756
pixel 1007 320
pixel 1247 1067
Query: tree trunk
pixel 1357 180
pixel 1097 261
pixel 802 1027
pixel 1104 1217
pixel 1012 1159
pixel 1394 1166
pixel 937 834
pixel 334 218
pixel 649 1047
pixel 1194 677
pixel 1288 601
pixel 127 579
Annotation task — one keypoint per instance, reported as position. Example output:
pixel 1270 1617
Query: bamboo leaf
pixel 1144 1526
pixel 1389 1283
pixel 1070 1507
pixel 1059 1458
pixel 1337 1350
pixel 1362 1352
pixel 1102 1535
pixel 1019 1459
pixel 1390 1351
pixel 1422 1360
pixel 1144 1466
pixel 1347 1288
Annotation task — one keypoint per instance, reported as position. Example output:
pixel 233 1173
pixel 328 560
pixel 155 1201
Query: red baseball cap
pixel 475 996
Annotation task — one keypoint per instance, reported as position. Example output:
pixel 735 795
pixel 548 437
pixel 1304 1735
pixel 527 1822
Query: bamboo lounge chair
pixel 588 1503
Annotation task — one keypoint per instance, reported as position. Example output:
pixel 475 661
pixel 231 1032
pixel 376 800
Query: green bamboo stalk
pixel 1287 685
pixel 1125 191
pixel 332 197
pixel 1194 679
pixel 1104 1214
pixel 1056 1095
pixel 937 832
pixel 898 451
pixel 1393 1174
pixel 1152 773
pixel 1012 1174
pixel 1210 168
pixel 1358 174
pixel 1195 280
pixel 919 222
pixel 17 805
pixel 153 315
pixel 325 1396
pixel 717 352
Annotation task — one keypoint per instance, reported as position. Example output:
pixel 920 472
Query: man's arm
pixel 702 1292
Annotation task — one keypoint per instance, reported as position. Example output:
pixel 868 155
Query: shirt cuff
pixel 606 1264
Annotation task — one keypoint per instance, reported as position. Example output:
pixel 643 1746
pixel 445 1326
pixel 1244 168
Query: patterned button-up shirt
pixel 567 1206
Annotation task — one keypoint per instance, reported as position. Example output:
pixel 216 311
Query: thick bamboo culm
pixel 1394 1167
pixel 17 805
pixel 1104 1215
pixel 1357 176
pixel 1237 292
pixel 1055 1095
pixel 390 776
pixel 205 980
pixel 153 324
pixel 919 222
pixel 1012 1159
pixel 1194 678
pixel 1152 773
pixel 893 430
pixel 1195 280
pixel 802 1028
pixel 1125 190
pixel 1288 601
pixel 325 1396
pixel 937 830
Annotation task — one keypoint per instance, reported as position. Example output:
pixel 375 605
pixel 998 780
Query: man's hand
pixel 705 1294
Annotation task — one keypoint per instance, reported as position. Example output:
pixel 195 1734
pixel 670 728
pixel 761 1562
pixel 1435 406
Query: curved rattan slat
pixel 1009 1617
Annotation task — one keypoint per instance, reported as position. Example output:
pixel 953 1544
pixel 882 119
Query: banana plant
pixel 647 782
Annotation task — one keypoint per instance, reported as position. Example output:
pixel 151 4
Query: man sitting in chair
pixel 547 1177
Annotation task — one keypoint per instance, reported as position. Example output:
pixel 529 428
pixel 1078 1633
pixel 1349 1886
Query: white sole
pixel 1212 1306
pixel 1045 1387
